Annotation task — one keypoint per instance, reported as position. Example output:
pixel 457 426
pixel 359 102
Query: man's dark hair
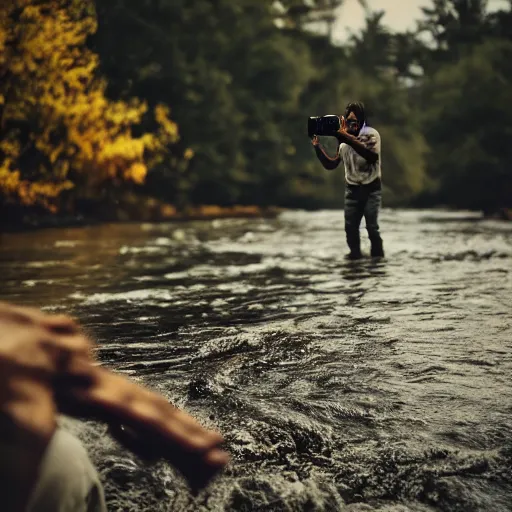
pixel 359 110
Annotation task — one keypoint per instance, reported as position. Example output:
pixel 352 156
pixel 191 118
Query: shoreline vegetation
pixel 152 212
pixel 156 212
pixel 136 111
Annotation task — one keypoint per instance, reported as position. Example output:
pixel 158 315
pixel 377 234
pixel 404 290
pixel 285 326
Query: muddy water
pixel 372 385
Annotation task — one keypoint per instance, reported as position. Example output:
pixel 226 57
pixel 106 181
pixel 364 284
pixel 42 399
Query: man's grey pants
pixel 363 200
pixel 68 482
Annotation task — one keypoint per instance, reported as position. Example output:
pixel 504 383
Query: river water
pixel 370 385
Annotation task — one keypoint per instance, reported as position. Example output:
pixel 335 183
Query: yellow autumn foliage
pixel 53 106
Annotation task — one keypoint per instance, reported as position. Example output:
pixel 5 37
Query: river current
pixel 353 386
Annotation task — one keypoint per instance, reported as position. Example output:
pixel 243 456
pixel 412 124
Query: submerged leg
pixel 371 215
pixel 354 210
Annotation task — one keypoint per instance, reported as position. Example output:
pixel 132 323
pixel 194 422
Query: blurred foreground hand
pixel 47 367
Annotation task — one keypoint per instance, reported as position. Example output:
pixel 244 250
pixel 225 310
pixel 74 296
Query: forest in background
pixel 166 104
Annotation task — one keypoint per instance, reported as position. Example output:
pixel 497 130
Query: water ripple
pixel 370 385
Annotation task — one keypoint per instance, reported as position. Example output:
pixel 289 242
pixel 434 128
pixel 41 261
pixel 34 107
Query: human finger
pixel 121 399
pixel 149 425
pixel 62 329
pixel 24 315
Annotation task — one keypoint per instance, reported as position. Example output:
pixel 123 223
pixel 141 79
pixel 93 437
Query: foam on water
pixel 371 385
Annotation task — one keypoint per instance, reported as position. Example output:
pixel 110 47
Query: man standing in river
pixel 360 150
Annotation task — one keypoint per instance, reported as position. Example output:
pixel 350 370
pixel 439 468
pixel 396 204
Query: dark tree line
pixel 242 76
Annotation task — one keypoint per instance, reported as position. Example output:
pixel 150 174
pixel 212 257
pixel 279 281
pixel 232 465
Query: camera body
pixel 323 125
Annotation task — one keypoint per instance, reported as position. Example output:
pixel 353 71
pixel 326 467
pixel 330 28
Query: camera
pixel 324 125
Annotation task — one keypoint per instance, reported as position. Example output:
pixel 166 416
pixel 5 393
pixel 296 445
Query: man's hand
pixel 342 133
pixel 47 367
pixel 146 423
pixel 34 348
pixel 315 141
pixel 365 150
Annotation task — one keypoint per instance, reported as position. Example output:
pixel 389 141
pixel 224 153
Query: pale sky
pixel 400 14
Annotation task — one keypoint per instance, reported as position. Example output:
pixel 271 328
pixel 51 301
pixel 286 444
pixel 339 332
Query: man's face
pixel 352 124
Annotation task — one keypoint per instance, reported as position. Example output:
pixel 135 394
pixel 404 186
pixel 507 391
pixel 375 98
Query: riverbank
pixel 150 210
pixel 135 209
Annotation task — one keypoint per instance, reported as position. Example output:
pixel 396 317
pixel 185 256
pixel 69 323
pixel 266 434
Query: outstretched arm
pixel 328 162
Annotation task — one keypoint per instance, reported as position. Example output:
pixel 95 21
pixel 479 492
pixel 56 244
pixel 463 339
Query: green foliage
pixel 241 78
pixel 469 133
pixel 235 82
pixel 241 89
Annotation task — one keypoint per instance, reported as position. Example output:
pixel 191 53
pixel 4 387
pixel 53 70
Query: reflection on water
pixel 367 385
